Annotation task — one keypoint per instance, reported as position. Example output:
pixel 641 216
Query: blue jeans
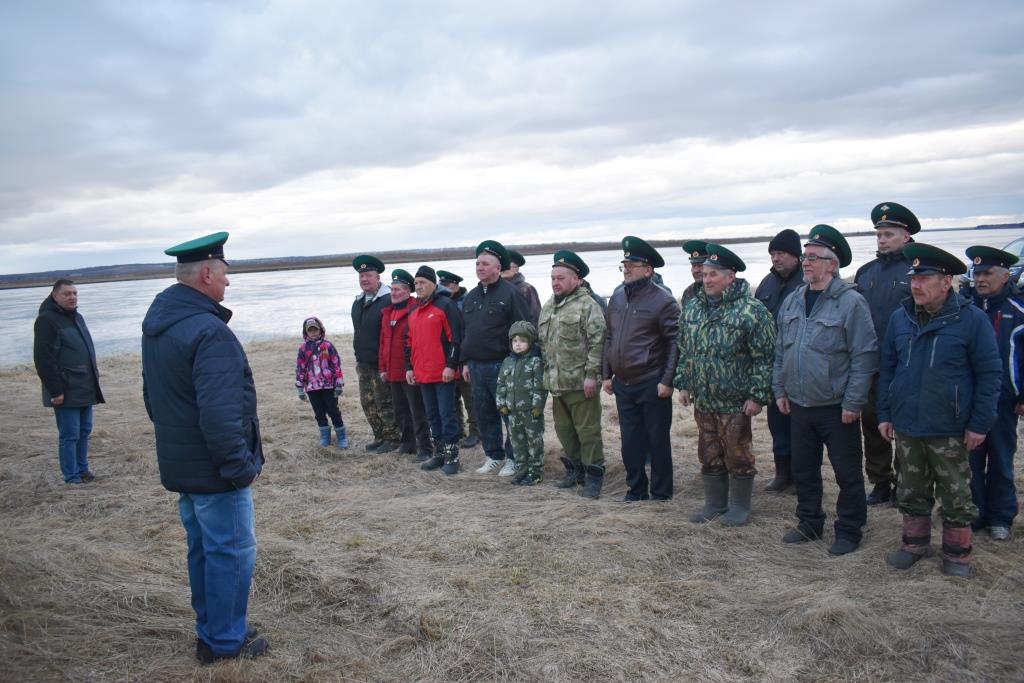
pixel 73 426
pixel 992 486
pixel 439 402
pixel 220 531
pixel 483 379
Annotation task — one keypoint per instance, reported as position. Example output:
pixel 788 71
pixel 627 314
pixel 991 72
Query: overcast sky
pixel 320 126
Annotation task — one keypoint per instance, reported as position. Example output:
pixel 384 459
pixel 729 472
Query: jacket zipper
pixel 935 342
pixel 956 401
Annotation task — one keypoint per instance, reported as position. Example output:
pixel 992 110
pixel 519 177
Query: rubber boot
pixel 437 459
pixel 325 436
pixel 956 551
pixel 917 536
pixel 573 473
pixel 592 482
pixel 716 497
pixel 740 489
pixel 782 480
pixel 451 458
pixel 342 438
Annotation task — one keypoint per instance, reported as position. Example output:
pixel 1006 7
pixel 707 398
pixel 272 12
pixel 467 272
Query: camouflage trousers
pixel 527 433
pixel 464 397
pixel 375 398
pixel 723 443
pixel 934 467
pixel 578 426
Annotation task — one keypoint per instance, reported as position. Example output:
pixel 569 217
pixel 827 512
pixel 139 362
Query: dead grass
pixel 370 569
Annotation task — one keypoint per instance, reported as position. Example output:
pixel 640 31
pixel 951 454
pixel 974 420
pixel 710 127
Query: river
pixel 273 304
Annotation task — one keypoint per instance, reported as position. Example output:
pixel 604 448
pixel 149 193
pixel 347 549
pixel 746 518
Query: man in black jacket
pixel 488 312
pixel 374 394
pixel 779 283
pixel 65 361
pixel 884 283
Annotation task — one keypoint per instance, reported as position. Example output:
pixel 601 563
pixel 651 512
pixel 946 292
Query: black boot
pixel 740 489
pixel 573 473
pixel 451 458
pixel 782 480
pixel 880 494
pixel 716 498
pixel 593 480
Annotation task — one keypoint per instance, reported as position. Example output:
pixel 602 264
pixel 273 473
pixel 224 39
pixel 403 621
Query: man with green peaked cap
pixel 697 252
pixel 939 382
pixel 992 471
pixel 488 311
pixel 572 329
pixel 726 353
pixel 374 394
pixel 198 391
pixel 826 355
pixel 639 362
pixel 884 283
pixel 518 280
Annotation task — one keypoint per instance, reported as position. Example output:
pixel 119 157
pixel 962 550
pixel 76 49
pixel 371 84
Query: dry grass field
pixel 370 569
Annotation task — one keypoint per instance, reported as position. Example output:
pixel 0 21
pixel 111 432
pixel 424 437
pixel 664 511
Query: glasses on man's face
pixel 630 265
pixel 814 258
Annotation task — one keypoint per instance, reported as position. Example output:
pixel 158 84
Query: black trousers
pixel 411 416
pixel 778 425
pixel 644 422
pixel 325 403
pixel 810 428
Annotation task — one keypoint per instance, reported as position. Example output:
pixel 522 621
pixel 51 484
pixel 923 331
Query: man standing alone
pixel 199 393
pixel 65 361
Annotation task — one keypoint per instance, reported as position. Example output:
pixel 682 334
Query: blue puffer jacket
pixel 943 379
pixel 1006 313
pixel 200 395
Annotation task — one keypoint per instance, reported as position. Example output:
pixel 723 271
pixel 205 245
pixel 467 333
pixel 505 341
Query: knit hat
pixel 787 241
pixel 427 273
pixel 523 328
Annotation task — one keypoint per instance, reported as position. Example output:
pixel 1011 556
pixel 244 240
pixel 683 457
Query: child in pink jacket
pixel 319 379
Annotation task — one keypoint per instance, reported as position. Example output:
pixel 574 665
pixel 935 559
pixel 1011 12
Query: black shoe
pixel 518 479
pixel 374 445
pixel 407 450
pixel 882 493
pixel 87 476
pixel 388 447
pixel 901 559
pixel 253 646
pixel 471 441
pixel 423 456
pixel 842 546
pixel 526 479
pixel 780 483
pixel 432 464
pixel 633 498
pixel 800 534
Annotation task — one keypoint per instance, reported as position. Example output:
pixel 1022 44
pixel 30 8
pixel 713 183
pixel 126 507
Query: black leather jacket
pixel 640 341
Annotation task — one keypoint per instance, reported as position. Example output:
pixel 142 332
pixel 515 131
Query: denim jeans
pixel 73 426
pixel 483 378
pixel 992 485
pixel 221 537
pixel 439 402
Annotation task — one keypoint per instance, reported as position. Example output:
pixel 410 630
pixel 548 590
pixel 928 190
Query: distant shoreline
pixel 151 271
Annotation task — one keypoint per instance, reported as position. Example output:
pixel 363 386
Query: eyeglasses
pixel 631 265
pixel 813 258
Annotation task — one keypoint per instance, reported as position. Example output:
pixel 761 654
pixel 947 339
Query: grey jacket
pixel 829 357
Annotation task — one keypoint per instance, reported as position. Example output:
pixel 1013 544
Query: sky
pixel 310 127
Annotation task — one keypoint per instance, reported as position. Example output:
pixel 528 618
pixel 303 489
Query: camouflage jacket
pixel 521 383
pixel 572 338
pixel 726 352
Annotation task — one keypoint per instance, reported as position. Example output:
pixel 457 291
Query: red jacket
pixel 394 331
pixel 434 334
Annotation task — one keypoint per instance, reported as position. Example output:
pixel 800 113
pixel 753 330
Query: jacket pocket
pixel 790 329
pixel 826 335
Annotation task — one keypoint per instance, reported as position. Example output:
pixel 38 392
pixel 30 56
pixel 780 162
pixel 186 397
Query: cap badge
pixel 696 253
pixel 977 260
pixel 916 263
pixel 883 219
pixel 626 255
pixel 561 260
pixel 713 257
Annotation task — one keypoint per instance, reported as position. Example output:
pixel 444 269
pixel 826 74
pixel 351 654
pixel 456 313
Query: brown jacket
pixel 640 342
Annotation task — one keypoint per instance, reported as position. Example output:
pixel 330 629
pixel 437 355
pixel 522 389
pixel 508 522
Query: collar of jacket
pixel 632 288
pixel 737 290
pixel 987 303
pixel 950 310
pixel 385 289
pixel 570 295
pixel 892 257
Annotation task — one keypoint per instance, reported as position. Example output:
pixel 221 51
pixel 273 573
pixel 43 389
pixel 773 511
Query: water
pixel 274 304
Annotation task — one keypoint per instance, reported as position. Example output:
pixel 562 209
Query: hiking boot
pixel 716 498
pixel 433 463
pixel 509 468
pixel 881 493
pixel 528 479
pixel 471 441
pixel 252 647
pixel 518 479
pixel 593 481
pixel 902 559
pixel 842 546
pixel 388 447
pixel 325 436
pixel 451 458
pixel 374 445
pixel 423 456
pixel 801 534
pixel 490 466
pixel 574 473
pixel 740 489
pixel 998 533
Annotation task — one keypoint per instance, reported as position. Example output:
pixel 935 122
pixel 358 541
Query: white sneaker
pixel 490 465
pixel 999 533
pixel 509 469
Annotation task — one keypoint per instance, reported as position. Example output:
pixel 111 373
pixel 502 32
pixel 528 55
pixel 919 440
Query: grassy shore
pixel 370 569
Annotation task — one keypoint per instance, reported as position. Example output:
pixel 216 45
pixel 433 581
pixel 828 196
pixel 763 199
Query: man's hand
pixel 664 390
pixel 607 386
pixel 590 388
pixel 465 372
pixel 57 400
pixel 973 439
pixel 885 429
pixel 684 397
pixel 410 378
pixel 448 374
pixel 383 377
pixel 783 405
pixel 751 407
pixel 849 416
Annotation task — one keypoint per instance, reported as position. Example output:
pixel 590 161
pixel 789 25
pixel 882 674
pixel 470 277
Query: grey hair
pixel 188 273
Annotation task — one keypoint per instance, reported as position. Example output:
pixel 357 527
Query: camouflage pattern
pixel 375 398
pixel 933 467
pixel 571 333
pixel 726 352
pixel 723 443
pixel 527 433
pixel 521 396
pixel 578 426
pixel 464 397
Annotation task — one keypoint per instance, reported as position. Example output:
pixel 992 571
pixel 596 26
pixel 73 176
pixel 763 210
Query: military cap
pixel 928 260
pixel 446 276
pixel 722 258
pixel 984 258
pixel 427 273
pixel 697 249
pixel 569 259
pixel 833 240
pixel 403 276
pixel 893 215
pixel 495 249
pixel 516 258
pixel 200 249
pixel 366 263
pixel 635 249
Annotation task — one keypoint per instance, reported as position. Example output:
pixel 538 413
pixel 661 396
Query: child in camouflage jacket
pixel 521 396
